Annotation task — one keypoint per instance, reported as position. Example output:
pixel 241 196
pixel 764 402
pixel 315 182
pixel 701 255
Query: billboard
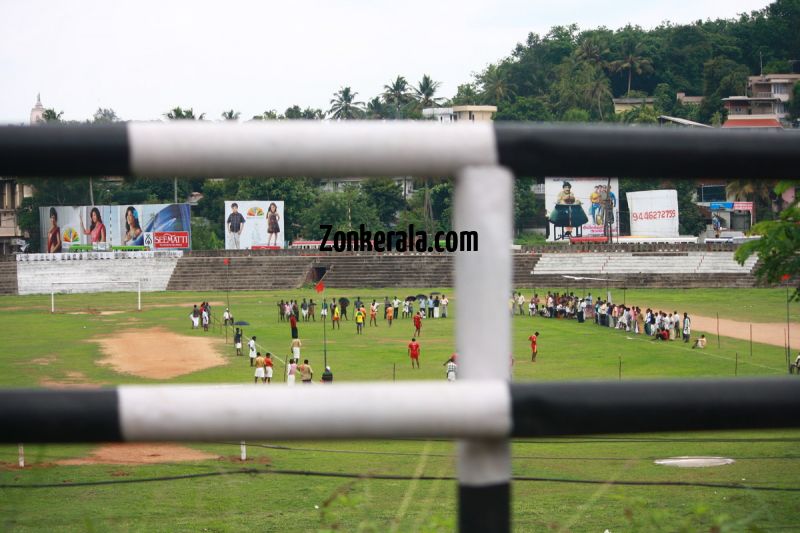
pixel 654 213
pixel 581 206
pixel 156 226
pixel 250 225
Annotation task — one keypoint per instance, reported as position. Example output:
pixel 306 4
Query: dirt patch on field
pixel 158 353
pixel 135 454
pixel 72 380
pixel 773 333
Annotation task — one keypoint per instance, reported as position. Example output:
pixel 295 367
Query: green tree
pixel 344 105
pixel 425 92
pixel 231 115
pixel 524 204
pixel 494 85
pixel 574 114
pixel 690 218
pixel 466 94
pixel 794 102
pixel 344 210
pixel 378 110
pixel 386 196
pixel 397 95
pixel 525 108
pixel 778 246
pixel 104 116
pixel 203 235
pixel 632 61
pixel 50 115
pixel 269 114
pixel 178 113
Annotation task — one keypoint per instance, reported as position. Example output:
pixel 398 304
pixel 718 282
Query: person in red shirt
pixel 413 352
pixel 534 349
pixel 293 324
pixel 268 367
pixel 417 324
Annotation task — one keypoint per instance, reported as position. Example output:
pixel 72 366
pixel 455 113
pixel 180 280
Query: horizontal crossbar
pixel 467 409
pixel 317 148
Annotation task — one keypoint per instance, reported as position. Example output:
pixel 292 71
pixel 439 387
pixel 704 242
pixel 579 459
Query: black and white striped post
pixel 316 148
pixel 483 410
pixel 488 411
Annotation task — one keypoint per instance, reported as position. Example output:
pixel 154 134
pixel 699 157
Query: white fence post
pixel 484 204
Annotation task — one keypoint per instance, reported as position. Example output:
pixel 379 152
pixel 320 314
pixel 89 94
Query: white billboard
pixel 252 225
pixel 653 213
pixel 581 206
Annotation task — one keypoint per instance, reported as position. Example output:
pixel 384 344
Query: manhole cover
pixel 694 462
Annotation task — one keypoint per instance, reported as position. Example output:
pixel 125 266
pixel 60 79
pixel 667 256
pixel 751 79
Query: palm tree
pixel 494 86
pixel 377 109
pixel 756 191
pixel 50 115
pixel 344 106
pixel 632 61
pixel 424 92
pixel 231 115
pixel 591 50
pixel 178 113
pixel 598 91
pixel 397 93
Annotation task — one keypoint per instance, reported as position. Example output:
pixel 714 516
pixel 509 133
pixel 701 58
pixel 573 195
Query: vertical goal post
pixel 65 286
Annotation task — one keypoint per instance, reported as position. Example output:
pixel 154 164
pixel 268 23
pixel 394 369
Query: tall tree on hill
pixel 344 105
pixel 633 61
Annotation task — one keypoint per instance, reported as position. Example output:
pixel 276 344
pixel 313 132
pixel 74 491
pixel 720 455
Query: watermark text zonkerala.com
pixel 397 241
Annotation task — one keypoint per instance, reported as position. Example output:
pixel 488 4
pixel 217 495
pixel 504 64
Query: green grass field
pixel 558 494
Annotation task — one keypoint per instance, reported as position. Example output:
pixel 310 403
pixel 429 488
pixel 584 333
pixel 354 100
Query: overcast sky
pixel 144 57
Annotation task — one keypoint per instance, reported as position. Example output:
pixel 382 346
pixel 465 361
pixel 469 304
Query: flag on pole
pixel 319 287
pixel 226 261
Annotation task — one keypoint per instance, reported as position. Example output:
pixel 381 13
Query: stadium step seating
pixel 241 274
pixel 8 277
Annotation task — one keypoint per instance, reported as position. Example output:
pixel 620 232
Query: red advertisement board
pixel 171 239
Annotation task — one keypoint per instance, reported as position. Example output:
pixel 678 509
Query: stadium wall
pixel 637 266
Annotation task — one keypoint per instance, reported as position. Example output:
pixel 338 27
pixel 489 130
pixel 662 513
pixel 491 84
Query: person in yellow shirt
pixel 359 322
pixel 335 319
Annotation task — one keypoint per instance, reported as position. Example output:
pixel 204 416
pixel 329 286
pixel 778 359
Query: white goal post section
pixel 84 287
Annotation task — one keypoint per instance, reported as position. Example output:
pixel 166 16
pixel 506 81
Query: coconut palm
pixel 632 61
pixel 396 93
pixel 344 106
pixel 231 115
pixel 749 190
pixel 50 115
pixel 424 92
pixel 598 91
pixel 178 113
pixel 593 51
pixel 377 109
pixel 494 85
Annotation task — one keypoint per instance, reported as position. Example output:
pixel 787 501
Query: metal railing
pixel 484 411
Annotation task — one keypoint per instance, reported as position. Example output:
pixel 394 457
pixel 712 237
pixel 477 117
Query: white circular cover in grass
pixel 694 462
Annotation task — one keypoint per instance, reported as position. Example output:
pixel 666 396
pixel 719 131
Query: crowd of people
pixel 658 324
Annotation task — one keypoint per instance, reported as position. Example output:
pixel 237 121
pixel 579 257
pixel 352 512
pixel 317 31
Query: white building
pixel 460 113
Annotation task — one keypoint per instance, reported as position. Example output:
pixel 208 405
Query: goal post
pixel 90 287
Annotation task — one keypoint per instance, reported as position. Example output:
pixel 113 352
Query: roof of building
pixel 641 100
pixel 681 121
pixel 487 108
pixel 742 122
